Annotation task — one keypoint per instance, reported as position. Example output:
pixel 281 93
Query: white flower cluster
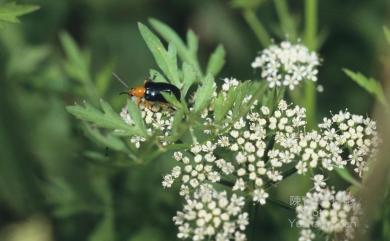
pixel 158 118
pixel 253 164
pixel 287 64
pixel 195 171
pixel 333 213
pixel 342 140
pixel 213 215
pixel 354 135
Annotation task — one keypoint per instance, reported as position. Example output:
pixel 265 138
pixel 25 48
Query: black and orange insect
pixel 151 91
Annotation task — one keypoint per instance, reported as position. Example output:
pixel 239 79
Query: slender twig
pixel 257 27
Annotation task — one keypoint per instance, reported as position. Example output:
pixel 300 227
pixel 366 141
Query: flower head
pixel 287 64
pixel 211 214
pixel 331 212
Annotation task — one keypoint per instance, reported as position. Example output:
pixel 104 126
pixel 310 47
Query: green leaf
pixel 387 33
pixel 163 59
pixel 343 173
pixel 9 12
pixel 216 61
pixel 223 104
pixel 157 76
pixel 369 84
pixel 172 37
pixel 103 78
pixel 189 76
pixel 77 64
pixel 192 42
pixel 136 116
pixel 109 119
pixel 204 93
pixel 171 99
pixel 176 124
pixel 107 140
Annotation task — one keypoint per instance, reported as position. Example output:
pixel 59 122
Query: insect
pixel 151 91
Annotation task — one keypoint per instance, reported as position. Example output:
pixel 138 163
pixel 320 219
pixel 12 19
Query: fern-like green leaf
pixel 107 140
pixel 189 78
pixel 10 12
pixel 192 42
pixel 136 116
pixel 172 37
pixel 216 61
pixel 163 58
pixel 204 93
pixel 157 76
pixel 369 84
pixel 106 119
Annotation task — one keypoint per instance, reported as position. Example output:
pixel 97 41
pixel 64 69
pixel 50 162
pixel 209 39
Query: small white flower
pixel 259 195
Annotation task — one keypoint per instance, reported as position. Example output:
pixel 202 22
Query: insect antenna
pixel 120 80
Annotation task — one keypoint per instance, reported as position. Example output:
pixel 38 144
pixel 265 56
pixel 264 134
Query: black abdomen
pixel 154 90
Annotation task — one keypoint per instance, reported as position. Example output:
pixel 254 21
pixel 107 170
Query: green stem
pixel 310 38
pixel 253 222
pixel 285 19
pixel 257 27
pixel 280 203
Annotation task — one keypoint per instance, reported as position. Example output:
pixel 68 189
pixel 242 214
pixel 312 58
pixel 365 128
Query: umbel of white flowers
pixel 334 213
pixel 287 64
pixel 208 213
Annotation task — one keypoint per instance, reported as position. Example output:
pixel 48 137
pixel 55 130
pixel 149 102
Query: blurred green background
pixel 50 186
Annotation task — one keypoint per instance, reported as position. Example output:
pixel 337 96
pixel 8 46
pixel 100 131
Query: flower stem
pixel 253 222
pixel 257 27
pixel 285 19
pixel 280 203
pixel 310 38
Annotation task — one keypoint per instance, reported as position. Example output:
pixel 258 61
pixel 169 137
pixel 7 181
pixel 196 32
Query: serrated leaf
pixel 171 99
pixel 176 123
pixel 172 56
pixel 157 76
pixel 160 54
pixel 204 93
pixel 172 37
pixel 189 78
pixel 371 85
pixel 103 78
pixel 343 173
pixel 216 61
pixel 107 140
pixel 387 34
pixel 77 64
pixel 9 12
pixel 223 104
pixel 109 119
pixel 136 116
pixel 192 42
